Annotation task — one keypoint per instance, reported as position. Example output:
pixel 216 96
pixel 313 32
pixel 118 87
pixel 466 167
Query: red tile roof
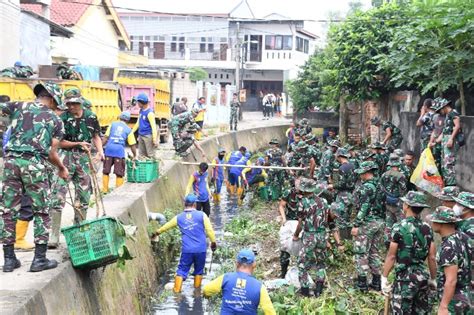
pixel 62 12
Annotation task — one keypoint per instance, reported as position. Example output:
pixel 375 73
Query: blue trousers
pixel 234 179
pixel 219 182
pixel 188 259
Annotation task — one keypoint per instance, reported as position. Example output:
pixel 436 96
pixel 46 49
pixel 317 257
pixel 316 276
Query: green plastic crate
pixel 94 243
pixel 264 193
pixel 275 193
pixel 144 172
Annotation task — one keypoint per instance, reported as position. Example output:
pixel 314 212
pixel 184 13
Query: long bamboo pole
pixel 252 166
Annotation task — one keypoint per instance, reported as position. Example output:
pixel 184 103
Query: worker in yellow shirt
pixel 255 176
pixel 199 119
pixel 146 125
pixel 194 226
pixel 199 185
pixel 241 292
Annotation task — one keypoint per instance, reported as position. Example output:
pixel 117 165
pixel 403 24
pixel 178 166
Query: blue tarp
pixel 89 73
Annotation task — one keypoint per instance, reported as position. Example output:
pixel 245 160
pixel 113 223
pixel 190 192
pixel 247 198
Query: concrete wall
pixel 10 30
pixel 321 119
pixel 109 290
pixel 465 162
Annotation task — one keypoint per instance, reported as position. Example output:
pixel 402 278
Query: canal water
pixel 190 300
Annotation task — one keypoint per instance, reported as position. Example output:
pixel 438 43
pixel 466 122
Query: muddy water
pixel 190 300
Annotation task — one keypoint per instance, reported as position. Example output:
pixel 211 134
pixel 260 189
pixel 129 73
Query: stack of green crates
pixel 145 171
pixel 94 243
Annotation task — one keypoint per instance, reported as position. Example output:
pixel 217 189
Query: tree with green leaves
pixel 197 74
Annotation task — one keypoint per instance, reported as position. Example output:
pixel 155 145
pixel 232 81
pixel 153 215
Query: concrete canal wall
pixel 112 291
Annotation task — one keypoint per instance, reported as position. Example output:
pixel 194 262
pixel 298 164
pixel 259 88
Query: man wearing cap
pixel 425 122
pixel 183 127
pixel 464 209
pixel 449 144
pixel 274 157
pixel 234 112
pixel 368 228
pixel 116 137
pixel 200 107
pixel 436 134
pixel 302 157
pixel 217 177
pixel 411 243
pixel 393 135
pixel 232 158
pixel 394 184
pixel 446 196
pixel 454 274
pixel 35 135
pixel 313 148
pixel 235 176
pixel 328 160
pixel 343 183
pixel 303 127
pixel 288 208
pixel 148 138
pixel 198 185
pixel 313 221
pixel 194 226
pixel 81 130
pixel 241 292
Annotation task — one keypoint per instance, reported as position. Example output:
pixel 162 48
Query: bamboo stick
pixel 251 166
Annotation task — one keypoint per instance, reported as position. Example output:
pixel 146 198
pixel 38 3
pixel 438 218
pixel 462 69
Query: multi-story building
pixel 234 48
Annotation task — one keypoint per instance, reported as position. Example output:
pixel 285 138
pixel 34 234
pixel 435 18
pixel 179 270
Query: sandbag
pixel 287 243
pixel 426 175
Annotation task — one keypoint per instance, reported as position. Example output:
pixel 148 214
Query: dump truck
pixel 135 81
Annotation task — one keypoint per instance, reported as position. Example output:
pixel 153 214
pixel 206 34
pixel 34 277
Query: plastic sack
pixel 287 243
pixel 293 279
pixel 426 175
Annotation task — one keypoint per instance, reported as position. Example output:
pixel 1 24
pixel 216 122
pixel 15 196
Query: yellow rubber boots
pixel 20 242
pixel 178 283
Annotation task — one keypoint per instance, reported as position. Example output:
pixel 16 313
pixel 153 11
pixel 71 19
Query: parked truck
pixel 134 81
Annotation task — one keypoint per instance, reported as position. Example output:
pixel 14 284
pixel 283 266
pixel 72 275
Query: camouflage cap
pixel 367 154
pixel 309 137
pixel 378 145
pixel 375 120
pixel 349 147
pixel 443 215
pixel 465 199
pixel 415 199
pixel 304 122
pixel 398 152
pixel 343 152
pixel 86 103
pixel 447 193
pixel 311 186
pixel 301 145
pixel 334 143
pixel 366 166
pixel 274 141
pixel 53 89
pixel 73 95
pixel 440 103
pixel 394 163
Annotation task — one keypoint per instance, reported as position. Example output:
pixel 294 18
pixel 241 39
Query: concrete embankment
pixel 109 290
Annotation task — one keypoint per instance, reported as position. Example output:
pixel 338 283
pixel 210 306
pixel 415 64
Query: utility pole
pixel 237 59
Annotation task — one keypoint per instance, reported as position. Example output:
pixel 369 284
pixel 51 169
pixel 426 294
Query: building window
pixel 173 47
pixel 210 47
pixel 278 42
pixel 302 45
pixel 210 76
pixel 202 47
pixel 181 47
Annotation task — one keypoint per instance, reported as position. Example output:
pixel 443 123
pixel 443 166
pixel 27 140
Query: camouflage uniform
pixel 17 72
pixel 289 195
pixel 394 185
pixel 396 139
pixel 437 149
pixel 426 129
pixel 303 128
pixel 344 182
pixel 76 160
pixel 369 221
pixel 234 114
pixel 182 126
pixel 67 73
pixel 301 158
pixel 328 161
pixel 275 177
pixel 314 217
pixel 448 166
pixel 313 148
pixel 411 294
pixel 34 126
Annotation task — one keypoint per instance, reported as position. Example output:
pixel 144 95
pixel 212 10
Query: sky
pixel 297 9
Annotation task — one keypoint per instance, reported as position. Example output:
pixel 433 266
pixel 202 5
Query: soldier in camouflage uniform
pixel 436 134
pixel 411 243
pixel 234 112
pixel 381 155
pixel 343 182
pixel 425 122
pixel 313 220
pixel 186 140
pixel 288 208
pixel 394 185
pixel 86 104
pixel 18 71
pixel 393 135
pixel 354 157
pixel 464 209
pixel 368 228
pixel 81 130
pixel 65 72
pixel 303 127
pixel 35 135
pixel 313 148
pixel 178 127
pixel 302 157
pixel 274 157
pixel 449 144
pixel 447 194
pixel 328 160
pixel 453 263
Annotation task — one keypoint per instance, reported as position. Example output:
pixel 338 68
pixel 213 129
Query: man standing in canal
pixel 194 225
pixel 35 135
pixel 81 130
pixel 198 185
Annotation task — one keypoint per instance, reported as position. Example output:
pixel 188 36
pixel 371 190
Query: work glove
pixel 213 246
pixel 386 287
pixel 432 284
